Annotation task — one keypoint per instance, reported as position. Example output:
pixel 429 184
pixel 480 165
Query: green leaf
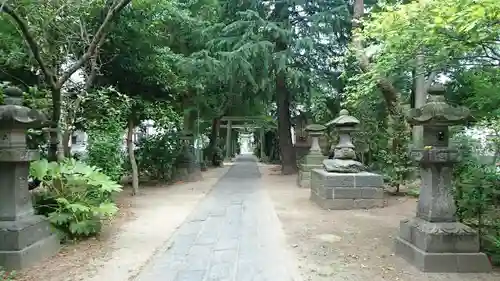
pixel 77 207
pixel 59 218
pixel 62 201
pixel 39 169
pixel 107 209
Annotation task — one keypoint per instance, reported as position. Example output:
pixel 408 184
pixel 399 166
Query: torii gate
pixel 254 119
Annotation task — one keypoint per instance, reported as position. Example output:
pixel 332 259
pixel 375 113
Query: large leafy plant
pixel 74 196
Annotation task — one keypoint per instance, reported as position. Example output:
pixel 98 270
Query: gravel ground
pixel 346 245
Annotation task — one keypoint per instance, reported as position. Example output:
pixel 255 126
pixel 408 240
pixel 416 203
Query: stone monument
pixel 187 168
pixel 25 238
pixel 434 241
pixel 344 183
pixel 313 159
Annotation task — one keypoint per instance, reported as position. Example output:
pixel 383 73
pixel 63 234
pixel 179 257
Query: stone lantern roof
pixel 315 128
pixel 437 111
pixel 14 115
pixel 343 120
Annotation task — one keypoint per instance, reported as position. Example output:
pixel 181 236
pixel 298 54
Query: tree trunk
pixel 214 133
pixel 288 158
pixel 55 139
pixel 131 155
pixel 65 143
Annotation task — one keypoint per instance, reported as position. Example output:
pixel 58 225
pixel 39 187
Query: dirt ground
pixel 346 245
pixel 132 237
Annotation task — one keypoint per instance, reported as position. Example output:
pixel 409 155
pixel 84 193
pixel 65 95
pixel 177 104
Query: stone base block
pixel 26 241
pixel 347 204
pixel 442 262
pixel 304 175
pixel 440 247
pixel 339 191
pixel 15 260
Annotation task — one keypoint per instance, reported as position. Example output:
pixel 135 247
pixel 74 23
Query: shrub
pixel 74 196
pixel 213 155
pixel 477 195
pixel 105 151
pixel 156 155
pixel 6 275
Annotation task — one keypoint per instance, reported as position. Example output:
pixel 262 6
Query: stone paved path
pixel 233 235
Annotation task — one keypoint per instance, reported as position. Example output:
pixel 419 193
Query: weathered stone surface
pixel 347 204
pixel 338 191
pixel 23 232
pixel 24 238
pixel 313 159
pixel 442 262
pixel 343 166
pixel 30 255
pixel 434 241
pixel 362 179
pixel 444 237
pixel 304 175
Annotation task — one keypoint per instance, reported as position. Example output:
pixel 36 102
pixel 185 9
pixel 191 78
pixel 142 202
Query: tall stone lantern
pixel 344 183
pixel 25 238
pixel 314 158
pixel 434 241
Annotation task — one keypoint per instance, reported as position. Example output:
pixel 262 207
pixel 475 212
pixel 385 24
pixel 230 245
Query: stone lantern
pixel 344 155
pixel 25 238
pixel 343 183
pixel 312 160
pixel 302 139
pixel 434 241
pixel 186 167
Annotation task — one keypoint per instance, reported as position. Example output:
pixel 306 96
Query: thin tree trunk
pixel 54 139
pixel 65 143
pixel 131 155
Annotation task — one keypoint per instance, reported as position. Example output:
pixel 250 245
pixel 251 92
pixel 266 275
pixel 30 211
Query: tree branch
pixel 33 46
pixel 390 93
pixel 94 44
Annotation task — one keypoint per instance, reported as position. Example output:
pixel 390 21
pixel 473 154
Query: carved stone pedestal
pixel 440 246
pixel 342 191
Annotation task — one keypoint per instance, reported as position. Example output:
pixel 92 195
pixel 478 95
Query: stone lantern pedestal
pixel 434 241
pixel 25 238
pixel 343 183
pixel 312 160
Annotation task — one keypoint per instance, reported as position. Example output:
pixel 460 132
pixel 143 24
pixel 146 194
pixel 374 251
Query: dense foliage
pixel 156 154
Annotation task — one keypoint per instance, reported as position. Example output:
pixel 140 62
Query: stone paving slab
pixel 233 235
